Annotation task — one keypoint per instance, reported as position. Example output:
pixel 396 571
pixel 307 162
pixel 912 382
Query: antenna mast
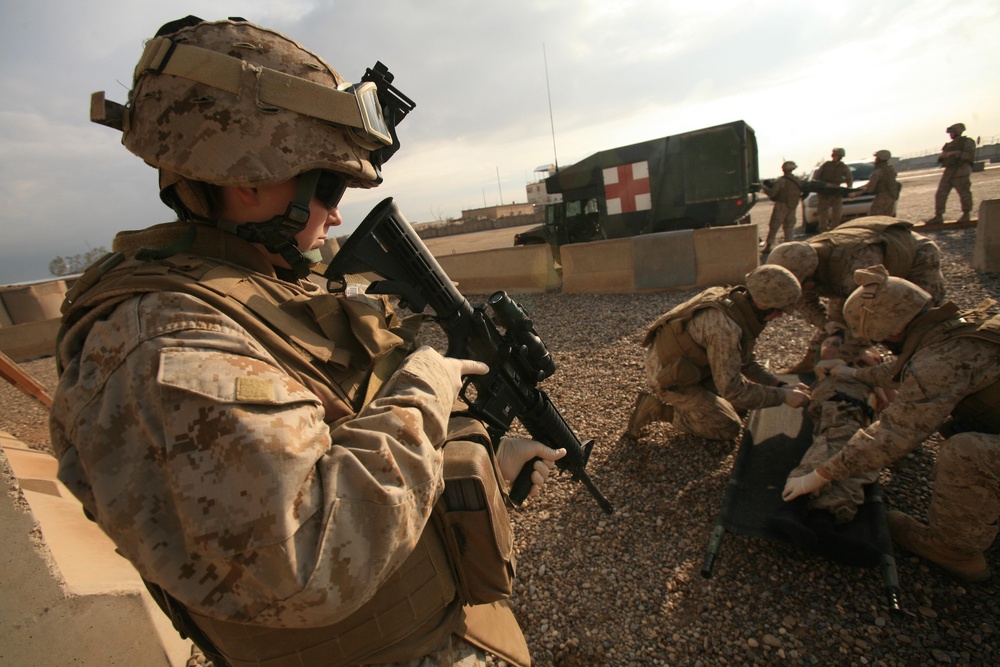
pixel 552 125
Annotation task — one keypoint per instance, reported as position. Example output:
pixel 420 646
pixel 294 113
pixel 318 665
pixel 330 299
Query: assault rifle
pixel 387 245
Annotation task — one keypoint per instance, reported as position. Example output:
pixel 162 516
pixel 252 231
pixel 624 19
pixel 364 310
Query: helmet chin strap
pixel 278 233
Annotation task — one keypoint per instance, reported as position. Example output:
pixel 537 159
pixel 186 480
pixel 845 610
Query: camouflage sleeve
pixel 720 336
pixel 848 176
pixel 936 379
pixel 872 183
pixel 216 475
pixel 968 151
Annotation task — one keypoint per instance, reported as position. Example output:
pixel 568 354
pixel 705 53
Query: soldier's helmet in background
pixel 789 166
pixel 957 127
pixel 839 151
pixel 883 155
pixel 798 257
pixel 882 305
pixel 773 286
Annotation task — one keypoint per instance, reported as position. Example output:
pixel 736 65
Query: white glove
pixel 513 453
pixel 799 486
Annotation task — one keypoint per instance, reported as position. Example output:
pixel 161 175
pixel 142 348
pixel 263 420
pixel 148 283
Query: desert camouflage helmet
pixel 882 305
pixel 839 151
pixel 957 127
pixel 798 257
pixel 788 165
pixel 233 103
pixel 883 155
pixel 773 287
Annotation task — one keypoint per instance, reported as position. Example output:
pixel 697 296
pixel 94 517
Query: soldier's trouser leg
pixel 965 504
pixel 772 228
pixel 837 212
pixel 823 213
pixel 941 195
pixel 702 413
pixel 788 225
pixel 963 185
pixel 926 274
pixel 883 204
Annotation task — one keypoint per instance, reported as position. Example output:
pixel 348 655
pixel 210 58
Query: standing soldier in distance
pixel 700 364
pixel 947 370
pixel 830 206
pixel 883 185
pixel 269 455
pixel 786 193
pixel 957 156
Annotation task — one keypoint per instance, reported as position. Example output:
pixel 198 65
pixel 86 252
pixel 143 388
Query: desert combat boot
pixel 916 538
pixel 648 408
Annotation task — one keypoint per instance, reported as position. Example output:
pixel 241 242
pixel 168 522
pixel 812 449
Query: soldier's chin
pixel 313 256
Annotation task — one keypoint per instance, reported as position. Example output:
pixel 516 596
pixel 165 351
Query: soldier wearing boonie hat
pixel 701 370
pixel 947 370
pixel 269 455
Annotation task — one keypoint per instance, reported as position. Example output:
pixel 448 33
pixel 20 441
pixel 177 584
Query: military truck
pixel 702 178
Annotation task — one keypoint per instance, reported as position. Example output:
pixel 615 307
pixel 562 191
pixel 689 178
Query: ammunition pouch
pixel 472 517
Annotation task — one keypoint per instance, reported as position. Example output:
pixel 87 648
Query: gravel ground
pixel 626 589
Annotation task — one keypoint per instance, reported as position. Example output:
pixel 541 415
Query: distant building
pixel 497 212
pixel 536 190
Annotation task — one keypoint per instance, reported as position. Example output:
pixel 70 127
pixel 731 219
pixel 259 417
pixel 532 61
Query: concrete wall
pixel 669 260
pixel 517 269
pixel 986 252
pixel 68 598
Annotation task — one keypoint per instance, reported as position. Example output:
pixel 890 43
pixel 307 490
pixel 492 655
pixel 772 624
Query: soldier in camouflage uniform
pixel 826 264
pixel 700 364
pixel 786 193
pixel 947 371
pixel 830 206
pixel 957 156
pixel 839 406
pixel 883 185
pixel 269 455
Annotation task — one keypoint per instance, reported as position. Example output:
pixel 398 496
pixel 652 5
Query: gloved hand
pixel 796 396
pixel 799 486
pixel 513 453
pixel 831 366
pixel 457 368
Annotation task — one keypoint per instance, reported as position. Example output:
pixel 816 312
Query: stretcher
pixel 774 442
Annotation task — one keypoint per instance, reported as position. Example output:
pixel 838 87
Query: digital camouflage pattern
pixel 882 305
pixel 966 500
pixel 194 130
pixel 835 421
pixel 737 381
pixel 172 422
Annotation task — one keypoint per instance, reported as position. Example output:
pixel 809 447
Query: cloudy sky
pixel 807 76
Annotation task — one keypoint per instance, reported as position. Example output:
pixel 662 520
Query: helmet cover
pixel 773 286
pixel 798 257
pixel 882 305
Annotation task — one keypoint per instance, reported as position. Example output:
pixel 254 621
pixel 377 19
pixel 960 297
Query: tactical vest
pixel 343 348
pixel 684 362
pixel 836 247
pixel 980 411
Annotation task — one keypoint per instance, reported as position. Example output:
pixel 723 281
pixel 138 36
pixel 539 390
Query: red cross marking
pixel 626 188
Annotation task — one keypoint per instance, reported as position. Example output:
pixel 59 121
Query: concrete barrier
pixel 598 267
pixel 31 303
pixel 669 260
pixel 68 598
pixel 31 340
pixel 986 252
pixel 517 270
pixel 725 255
